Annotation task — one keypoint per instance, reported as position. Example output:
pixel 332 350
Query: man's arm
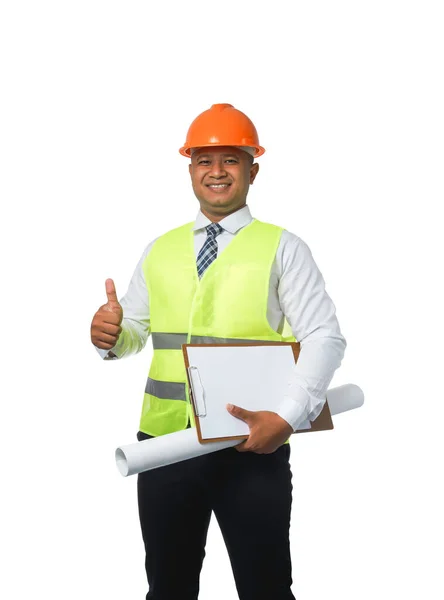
pixel 135 325
pixel 311 315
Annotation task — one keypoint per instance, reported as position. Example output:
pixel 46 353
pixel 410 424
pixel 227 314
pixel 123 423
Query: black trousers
pixel 250 495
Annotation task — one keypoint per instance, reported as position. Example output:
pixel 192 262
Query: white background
pixel 96 99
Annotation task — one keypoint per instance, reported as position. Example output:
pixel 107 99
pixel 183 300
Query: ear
pixel 253 172
pixel 190 166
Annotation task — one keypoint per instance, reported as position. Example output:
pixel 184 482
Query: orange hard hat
pixel 222 125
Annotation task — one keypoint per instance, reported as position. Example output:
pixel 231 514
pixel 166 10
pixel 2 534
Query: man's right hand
pixel 105 326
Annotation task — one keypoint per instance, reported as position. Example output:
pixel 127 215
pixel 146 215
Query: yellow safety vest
pixel 227 305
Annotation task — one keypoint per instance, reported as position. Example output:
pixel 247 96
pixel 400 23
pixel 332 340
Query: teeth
pixel 220 185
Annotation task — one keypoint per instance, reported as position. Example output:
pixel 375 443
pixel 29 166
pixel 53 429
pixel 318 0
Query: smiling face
pixel 221 177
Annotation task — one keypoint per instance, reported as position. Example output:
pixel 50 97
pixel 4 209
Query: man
pixel 224 278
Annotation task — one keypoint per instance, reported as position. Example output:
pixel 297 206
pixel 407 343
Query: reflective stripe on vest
pixel 174 341
pixel 227 305
pixel 165 389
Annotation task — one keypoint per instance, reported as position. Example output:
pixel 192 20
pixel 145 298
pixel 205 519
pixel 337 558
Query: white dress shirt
pixel 296 292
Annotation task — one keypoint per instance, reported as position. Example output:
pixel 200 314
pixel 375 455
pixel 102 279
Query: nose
pixel 217 169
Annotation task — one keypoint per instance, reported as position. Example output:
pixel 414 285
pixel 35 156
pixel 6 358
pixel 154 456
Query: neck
pixel 215 218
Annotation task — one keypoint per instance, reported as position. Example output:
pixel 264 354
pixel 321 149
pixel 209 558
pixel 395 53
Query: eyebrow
pixel 225 154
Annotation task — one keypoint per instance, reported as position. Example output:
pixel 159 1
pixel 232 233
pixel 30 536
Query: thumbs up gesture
pixel 105 326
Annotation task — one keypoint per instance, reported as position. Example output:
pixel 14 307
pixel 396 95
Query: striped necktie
pixel 208 251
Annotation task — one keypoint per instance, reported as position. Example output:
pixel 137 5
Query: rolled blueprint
pixel 165 450
pixel 344 397
pixel 174 447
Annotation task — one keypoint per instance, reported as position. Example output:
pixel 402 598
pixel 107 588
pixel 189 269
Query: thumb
pixel 240 413
pixel 111 292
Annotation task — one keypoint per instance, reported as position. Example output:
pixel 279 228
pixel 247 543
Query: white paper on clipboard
pixel 254 377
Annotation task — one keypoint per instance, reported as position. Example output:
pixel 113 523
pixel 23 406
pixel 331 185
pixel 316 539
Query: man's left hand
pixel 268 431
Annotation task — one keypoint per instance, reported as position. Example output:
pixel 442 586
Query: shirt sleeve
pixel 311 314
pixel 135 324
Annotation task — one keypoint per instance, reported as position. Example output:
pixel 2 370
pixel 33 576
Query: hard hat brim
pixel 186 150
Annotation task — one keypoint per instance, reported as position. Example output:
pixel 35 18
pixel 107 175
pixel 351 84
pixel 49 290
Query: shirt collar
pixel 232 223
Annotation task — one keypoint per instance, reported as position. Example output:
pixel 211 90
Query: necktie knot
pixel 213 230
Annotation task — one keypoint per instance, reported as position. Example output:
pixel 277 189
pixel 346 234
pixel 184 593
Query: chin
pixel 215 202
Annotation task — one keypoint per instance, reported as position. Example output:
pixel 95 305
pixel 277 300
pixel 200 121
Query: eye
pixel 203 162
pixel 231 161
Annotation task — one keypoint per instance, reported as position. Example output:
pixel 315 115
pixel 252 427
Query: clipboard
pixel 209 380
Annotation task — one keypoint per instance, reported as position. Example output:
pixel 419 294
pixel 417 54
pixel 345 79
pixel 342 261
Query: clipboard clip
pixel 199 398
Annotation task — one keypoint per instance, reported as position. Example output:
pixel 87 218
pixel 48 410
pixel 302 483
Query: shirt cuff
pixel 300 408
pixel 108 354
